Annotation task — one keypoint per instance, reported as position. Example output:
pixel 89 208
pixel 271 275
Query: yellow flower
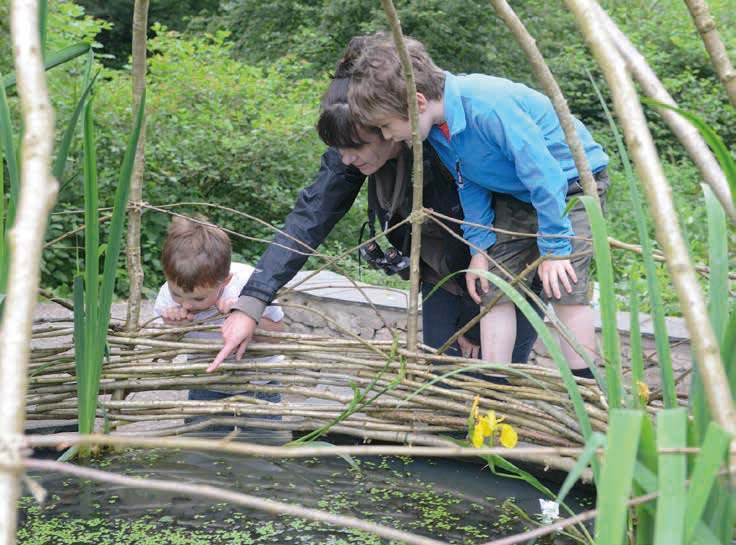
pixel 508 436
pixel 643 391
pixel 489 426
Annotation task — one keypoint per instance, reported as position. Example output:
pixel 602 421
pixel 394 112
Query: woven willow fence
pixel 314 377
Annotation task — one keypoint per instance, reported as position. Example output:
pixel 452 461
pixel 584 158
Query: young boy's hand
pixel 552 272
pixel 176 316
pixel 477 262
pixel 225 304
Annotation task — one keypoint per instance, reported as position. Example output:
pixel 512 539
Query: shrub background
pixel 234 88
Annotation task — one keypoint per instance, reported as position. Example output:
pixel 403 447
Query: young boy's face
pixel 399 129
pixel 201 298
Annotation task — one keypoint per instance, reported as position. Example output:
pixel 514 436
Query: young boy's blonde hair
pixel 378 88
pixel 196 255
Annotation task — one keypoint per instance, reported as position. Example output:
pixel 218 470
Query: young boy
pixel 201 282
pixel 496 135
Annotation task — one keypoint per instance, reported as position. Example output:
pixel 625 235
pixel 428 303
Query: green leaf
pixel 709 461
pixel 670 518
pixel 117 221
pixel 608 300
pixel 714 141
pixel 53 60
pixel 645 481
pixel 66 140
pixel 8 216
pixel 616 475
pixel 349 459
pixel 728 351
pixel 43 9
pixel 597 440
pixel 87 383
pixel 718 303
pixel 664 359
pixel 637 354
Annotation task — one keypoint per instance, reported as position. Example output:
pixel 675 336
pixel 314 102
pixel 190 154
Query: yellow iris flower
pixel 642 391
pixel 488 426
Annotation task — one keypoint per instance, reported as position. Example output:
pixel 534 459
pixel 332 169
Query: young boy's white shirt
pixel 240 275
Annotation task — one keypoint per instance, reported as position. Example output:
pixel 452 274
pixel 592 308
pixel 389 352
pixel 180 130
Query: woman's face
pixel 371 156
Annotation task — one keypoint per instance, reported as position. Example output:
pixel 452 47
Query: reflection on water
pixel 458 502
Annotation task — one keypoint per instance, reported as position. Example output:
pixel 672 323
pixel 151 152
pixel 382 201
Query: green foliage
pixel 93 298
pixel 117 37
pixel 218 131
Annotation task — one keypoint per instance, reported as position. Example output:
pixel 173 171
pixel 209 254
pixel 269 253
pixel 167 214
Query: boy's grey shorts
pixel 516 252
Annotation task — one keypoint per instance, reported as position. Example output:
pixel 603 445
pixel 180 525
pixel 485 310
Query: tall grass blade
pixel 669 526
pixel 608 300
pixel 66 140
pixel 8 216
pixel 112 252
pixel 637 353
pixel 43 10
pixel 721 511
pixel 616 475
pixel 705 536
pixel 703 477
pixel 53 60
pixel 728 351
pixel 667 377
pixel 86 385
pixel 597 440
pixel 79 342
pixel 718 261
pixel 646 469
pixel 715 142
pixel 717 305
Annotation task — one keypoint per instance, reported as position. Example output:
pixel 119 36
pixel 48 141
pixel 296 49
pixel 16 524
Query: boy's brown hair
pixel 196 255
pixel 378 88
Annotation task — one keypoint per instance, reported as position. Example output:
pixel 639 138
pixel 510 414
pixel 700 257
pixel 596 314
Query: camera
pixel 392 262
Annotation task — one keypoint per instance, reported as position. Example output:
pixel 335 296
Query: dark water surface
pixel 459 502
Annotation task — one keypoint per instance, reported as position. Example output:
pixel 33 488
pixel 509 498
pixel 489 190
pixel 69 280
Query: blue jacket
pixel 506 137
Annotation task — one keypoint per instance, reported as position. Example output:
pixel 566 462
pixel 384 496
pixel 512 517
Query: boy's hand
pixel 477 262
pixel 225 305
pixel 176 316
pixel 552 272
pixel 237 332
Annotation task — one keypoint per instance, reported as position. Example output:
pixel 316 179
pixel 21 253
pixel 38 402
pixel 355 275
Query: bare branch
pixel 412 322
pixel 38 192
pixel 688 135
pixel 714 45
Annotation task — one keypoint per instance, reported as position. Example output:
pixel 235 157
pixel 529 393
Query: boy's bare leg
pixel 579 320
pixel 498 333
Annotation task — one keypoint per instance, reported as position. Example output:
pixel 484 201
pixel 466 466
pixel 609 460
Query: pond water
pixel 459 502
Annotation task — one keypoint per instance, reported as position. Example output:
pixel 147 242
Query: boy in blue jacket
pixel 498 138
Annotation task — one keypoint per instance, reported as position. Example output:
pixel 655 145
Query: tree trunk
pixel 38 191
pixel 135 264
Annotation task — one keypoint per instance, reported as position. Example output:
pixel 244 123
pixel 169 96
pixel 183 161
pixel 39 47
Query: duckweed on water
pixel 434 500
